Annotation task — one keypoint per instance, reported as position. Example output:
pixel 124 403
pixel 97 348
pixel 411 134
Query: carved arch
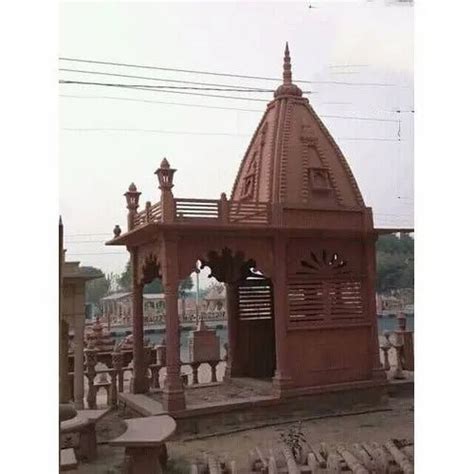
pixel 229 267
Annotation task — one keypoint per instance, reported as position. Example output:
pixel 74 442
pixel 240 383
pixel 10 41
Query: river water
pixel 155 337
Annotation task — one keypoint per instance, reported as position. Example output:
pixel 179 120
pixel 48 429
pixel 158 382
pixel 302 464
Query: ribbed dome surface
pixel 293 159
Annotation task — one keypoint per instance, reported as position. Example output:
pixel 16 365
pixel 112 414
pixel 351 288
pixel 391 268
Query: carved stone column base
pixel 281 385
pixel 173 400
pixel 139 385
pixel 379 373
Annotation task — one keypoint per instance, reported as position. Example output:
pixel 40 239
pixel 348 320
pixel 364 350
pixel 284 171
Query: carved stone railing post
pixel 117 364
pixel 148 211
pixel 147 359
pixel 224 209
pixel 385 346
pixel 132 196
pixel 407 352
pixel 398 345
pixel 113 388
pixel 155 376
pixel 165 178
pixel 194 369
pixel 91 362
pixel 213 366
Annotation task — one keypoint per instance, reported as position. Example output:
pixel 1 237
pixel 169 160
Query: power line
pixel 348 65
pixel 346 117
pixel 158 102
pixel 146 86
pixel 85 235
pixel 150 89
pixel 170 132
pixel 159 79
pixel 241 76
pixel 95 253
pixel 176 132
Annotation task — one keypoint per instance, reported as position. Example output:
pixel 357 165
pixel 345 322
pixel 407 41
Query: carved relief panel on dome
pixel 248 188
pixel 319 179
pixel 318 186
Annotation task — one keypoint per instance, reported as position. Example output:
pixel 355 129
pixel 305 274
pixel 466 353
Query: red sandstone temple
pixel 295 247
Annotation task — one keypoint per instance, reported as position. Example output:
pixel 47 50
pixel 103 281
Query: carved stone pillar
pixel 79 361
pixel 173 393
pixel 63 361
pixel 378 372
pixel 138 382
pixel 91 362
pixel 232 363
pixel 282 379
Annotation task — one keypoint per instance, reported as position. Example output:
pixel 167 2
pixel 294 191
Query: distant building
pixel 117 307
pixel 395 301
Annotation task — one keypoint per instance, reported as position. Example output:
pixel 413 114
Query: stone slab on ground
pixel 144 432
pixel 145 405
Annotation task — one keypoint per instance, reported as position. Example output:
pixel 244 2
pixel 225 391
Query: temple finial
pixel 287 88
pixel 287 66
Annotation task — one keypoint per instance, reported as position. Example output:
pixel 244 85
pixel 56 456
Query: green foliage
pixel 125 279
pixel 97 288
pixel 395 262
pixel 156 286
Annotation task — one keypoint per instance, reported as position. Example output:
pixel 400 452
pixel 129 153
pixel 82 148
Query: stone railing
pixel 112 379
pixel 211 210
pixel 398 351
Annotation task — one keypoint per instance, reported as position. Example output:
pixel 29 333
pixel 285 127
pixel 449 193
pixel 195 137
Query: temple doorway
pixel 255 348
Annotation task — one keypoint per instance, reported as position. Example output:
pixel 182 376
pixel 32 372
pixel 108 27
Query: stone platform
pixel 242 401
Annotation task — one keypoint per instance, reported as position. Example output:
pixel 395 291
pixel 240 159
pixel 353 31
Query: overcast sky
pixel 97 165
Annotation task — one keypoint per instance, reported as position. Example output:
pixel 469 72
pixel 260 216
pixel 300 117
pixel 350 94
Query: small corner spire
pixel 287 66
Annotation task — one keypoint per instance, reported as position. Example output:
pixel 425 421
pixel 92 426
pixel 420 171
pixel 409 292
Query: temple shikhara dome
pixel 293 159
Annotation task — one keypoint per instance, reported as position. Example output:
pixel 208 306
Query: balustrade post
pixel 224 209
pixel 113 388
pixel 195 368
pixel 132 196
pixel 385 346
pixel 148 211
pixel 147 353
pixel 117 364
pixel 398 345
pixel 165 178
pixel 155 376
pixel 213 366
pixel 91 362
pixel 407 353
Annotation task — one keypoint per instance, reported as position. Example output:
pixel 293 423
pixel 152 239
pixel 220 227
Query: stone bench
pixel 82 426
pixel 144 443
pixel 68 461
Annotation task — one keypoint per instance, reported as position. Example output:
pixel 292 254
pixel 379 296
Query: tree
pixel 156 286
pixel 395 262
pixel 125 279
pixel 97 288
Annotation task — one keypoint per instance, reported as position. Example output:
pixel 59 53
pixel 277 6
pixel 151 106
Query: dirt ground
pixel 378 426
